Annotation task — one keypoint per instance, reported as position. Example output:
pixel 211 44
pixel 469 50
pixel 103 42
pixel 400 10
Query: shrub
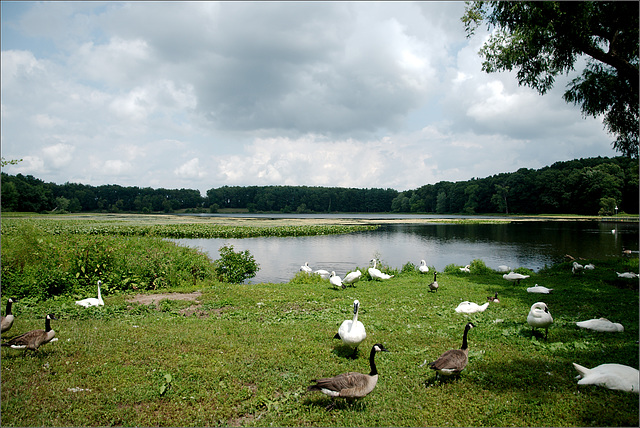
pixel 478 266
pixel 235 267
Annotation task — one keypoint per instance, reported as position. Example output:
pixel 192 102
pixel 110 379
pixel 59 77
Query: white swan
pixel 352 332
pixel 539 289
pixel 590 266
pixel 540 317
pixel 92 301
pixel 601 324
pixel 470 307
pixel 325 274
pixel 611 376
pixel 577 268
pixel 513 276
pixel 423 267
pixel 335 280
pixel 352 277
pixel 628 275
pixel 376 273
pixel 504 268
pixel 466 269
pixel 305 268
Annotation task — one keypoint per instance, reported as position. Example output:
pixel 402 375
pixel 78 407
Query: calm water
pixel 531 244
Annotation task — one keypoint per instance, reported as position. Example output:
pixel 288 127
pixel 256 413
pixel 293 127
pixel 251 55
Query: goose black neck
pixel 372 362
pixel 8 311
pixel 47 324
pixel 464 338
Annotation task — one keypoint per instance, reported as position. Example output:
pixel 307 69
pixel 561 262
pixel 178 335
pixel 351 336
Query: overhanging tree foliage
pixel 542 40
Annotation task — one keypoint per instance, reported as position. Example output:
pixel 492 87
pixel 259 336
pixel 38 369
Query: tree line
pixel 590 186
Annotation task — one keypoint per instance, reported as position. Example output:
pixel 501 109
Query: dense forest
pixel 591 186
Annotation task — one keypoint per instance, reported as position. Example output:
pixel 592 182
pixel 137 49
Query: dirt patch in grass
pixel 147 299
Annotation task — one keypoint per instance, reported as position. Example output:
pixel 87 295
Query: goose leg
pixel 355 353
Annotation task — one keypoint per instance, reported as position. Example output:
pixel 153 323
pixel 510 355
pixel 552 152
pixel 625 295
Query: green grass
pixel 244 354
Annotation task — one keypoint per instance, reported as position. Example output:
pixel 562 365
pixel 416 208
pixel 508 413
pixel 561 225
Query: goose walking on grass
pixel 35 338
pixel 434 285
pixel 8 318
pixel 92 301
pixel 453 361
pixel 540 317
pixel 423 267
pixel 375 273
pixel 601 324
pixel 351 384
pixel 539 289
pixel 306 268
pixel 513 276
pixel 352 278
pixel 352 332
pixel 612 376
pixel 335 280
pixel 471 308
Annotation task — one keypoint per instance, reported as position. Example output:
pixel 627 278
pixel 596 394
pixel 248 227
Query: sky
pixel 200 95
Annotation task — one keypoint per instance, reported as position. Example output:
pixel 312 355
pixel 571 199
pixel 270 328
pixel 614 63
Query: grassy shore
pixel 243 355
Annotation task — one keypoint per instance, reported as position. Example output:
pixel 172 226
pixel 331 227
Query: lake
pixel 530 244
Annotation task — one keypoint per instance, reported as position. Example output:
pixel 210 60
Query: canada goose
pixel 466 269
pixel 513 276
pixel 493 298
pixel 305 268
pixel 35 338
pixel 628 275
pixel 92 301
pixel 352 277
pixel 611 376
pixel 470 307
pixel 351 384
pixel 453 361
pixel 325 274
pixel 576 268
pixel 7 319
pixel 335 280
pixel 539 289
pixel 434 285
pixel 601 324
pixel 423 267
pixel 352 332
pixel 540 317
pixel 376 273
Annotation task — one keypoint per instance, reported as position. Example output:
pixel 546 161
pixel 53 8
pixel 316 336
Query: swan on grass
pixel 453 361
pixel 423 267
pixel 466 269
pixel 540 317
pixel 305 268
pixel 35 338
pixel 504 268
pixel 539 289
pixel 513 276
pixel 351 384
pixel 471 308
pixel 612 376
pixel 324 274
pixel 628 275
pixel 335 280
pixel 590 266
pixel 8 317
pixel 576 268
pixel 92 301
pixel 601 324
pixel 352 332
pixel 375 273
pixel 352 277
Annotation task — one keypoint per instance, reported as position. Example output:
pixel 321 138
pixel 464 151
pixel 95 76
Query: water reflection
pixel 528 244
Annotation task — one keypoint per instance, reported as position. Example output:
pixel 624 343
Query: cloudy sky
pixel 200 95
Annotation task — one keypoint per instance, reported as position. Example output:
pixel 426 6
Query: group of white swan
pixel 350 279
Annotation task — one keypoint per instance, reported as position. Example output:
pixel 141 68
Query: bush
pixel 235 267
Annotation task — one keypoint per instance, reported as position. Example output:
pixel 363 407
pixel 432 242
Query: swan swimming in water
pixel 306 268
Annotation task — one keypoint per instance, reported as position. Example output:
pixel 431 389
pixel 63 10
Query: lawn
pixel 244 354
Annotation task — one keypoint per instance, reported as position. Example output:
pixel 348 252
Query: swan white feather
pixel 423 267
pixel 612 376
pixel 601 324
pixel 467 307
pixel 92 301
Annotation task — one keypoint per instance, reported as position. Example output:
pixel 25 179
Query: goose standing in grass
pixel 35 338
pixel 8 318
pixel 612 376
pixel 628 275
pixel 375 273
pixel 540 317
pixel 513 276
pixel 423 267
pixel 601 324
pixel 352 278
pixel 335 280
pixel 466 269
pixel 324 274
pixel 351 384
pixel 494 298
pixel 471 308
pixel 576 268
pixel 434 285
pixel 92 301
pixel 352 332
pixel 453 361
pixel 305 268
pixel 539 289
